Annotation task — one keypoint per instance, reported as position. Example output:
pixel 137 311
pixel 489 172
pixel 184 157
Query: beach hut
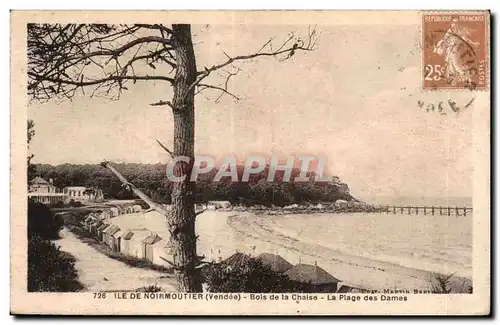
pixel 114 211
pixel 105 214
pixel 312 278
pixel 147 246
pixel 137 208
pixel 94 226
pixel 108 233
pixel 277 263
pixel 100 230
pixel 124 242
pixel 89 220
pixel 135 245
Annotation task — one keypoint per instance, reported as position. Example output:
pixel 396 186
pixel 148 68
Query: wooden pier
pixel 447 210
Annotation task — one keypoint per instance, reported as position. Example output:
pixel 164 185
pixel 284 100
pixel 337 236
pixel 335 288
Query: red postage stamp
pixel 455 50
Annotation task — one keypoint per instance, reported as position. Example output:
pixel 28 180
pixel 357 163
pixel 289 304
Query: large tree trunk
pixel 182 219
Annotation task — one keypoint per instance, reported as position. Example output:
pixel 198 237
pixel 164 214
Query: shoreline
pixel 357 271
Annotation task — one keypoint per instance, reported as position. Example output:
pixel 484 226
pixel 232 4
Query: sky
pixel 352 101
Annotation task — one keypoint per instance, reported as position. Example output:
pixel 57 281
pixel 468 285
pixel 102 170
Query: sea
pixel 370 250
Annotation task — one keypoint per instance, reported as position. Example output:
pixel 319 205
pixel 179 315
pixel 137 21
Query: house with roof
pixel 124 241
pixel 149 252
pixel 101 229
pixel 135 245
pixel 89 219
pixel 312 278
pixel 105 214
pixel 275 262
pixel 237 260
pixel 83 194
pixel 42 191
pixel 94 226
pixel 108 233
pixel 116 240
pixel 114 211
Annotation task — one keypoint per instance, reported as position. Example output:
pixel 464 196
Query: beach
pixel 372 251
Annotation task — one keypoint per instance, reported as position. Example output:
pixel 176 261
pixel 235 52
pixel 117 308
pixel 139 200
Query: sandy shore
pixel 223 233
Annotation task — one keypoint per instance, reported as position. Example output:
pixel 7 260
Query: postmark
pixel 455 50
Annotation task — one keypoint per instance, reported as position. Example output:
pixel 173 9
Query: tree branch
pixel 165 148
pixel 98 81
pixel 60 57
pixel 222 89
pixel 200 211
pixel 163 103
pixel 153 205
pixel 284 48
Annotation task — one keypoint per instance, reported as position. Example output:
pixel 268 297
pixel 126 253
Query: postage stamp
pixel 250 163
pixel 455 49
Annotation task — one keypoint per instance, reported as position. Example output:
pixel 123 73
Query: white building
pixel 41 191
pixel 83 194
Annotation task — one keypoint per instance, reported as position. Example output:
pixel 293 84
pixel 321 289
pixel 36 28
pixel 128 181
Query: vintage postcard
pixel 250 162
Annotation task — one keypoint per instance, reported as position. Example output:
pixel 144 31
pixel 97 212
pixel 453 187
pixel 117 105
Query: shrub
pixel 42 222
pixel 249 276
pixel 151 288
pixel 49 269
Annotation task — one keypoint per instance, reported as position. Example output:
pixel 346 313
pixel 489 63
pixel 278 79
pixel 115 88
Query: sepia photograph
pixel 298 159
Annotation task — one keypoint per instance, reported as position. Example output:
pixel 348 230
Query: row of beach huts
pixel 140 243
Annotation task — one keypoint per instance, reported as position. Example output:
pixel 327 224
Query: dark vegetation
pixel 49 268
pixel 151 179
pixel 252 276
pixel 151 288
pixel 249 276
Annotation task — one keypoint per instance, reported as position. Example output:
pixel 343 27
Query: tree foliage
pixel 150 179
pixel 104 59
pixel 42 222
pixel 49 268
pixel 251 276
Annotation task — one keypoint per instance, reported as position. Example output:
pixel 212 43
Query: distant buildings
pixel 214 205
pixel 39 190
pixel 83 194
pixel 46 192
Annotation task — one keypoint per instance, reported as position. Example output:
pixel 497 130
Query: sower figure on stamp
pixel 459 54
